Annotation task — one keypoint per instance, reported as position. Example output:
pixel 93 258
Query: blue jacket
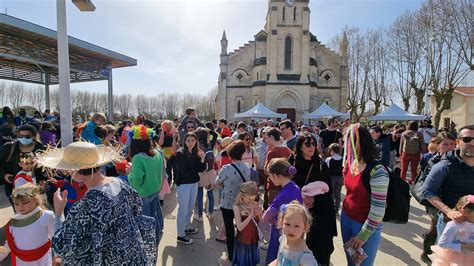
pixel 383 144
pixel 89 135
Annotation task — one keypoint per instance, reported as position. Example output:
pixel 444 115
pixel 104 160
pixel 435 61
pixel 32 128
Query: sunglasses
pixel 308 144
pixel 466 139
pixel 25 136
pixel 190 127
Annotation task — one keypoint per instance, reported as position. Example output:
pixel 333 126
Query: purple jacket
pixel 48 137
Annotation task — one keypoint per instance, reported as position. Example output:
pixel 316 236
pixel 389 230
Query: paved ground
pixel 401 244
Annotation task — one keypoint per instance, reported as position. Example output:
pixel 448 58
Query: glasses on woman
pixel 25 136
pixel 309 143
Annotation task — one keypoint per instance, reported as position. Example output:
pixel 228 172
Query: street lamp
pixel 63 67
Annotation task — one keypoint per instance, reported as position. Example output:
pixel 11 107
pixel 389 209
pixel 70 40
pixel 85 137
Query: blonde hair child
pixel 247 213
pixel 294 221
pixel 456 243
pixel 30 230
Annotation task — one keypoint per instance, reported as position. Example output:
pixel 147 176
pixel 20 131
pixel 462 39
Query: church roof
pixel 466 91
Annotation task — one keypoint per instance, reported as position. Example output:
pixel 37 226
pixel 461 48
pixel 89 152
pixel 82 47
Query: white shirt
pixel 33 236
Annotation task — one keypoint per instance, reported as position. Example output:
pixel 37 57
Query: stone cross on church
pixel 284 67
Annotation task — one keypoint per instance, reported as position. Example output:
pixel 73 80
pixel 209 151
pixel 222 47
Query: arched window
pixel 284 10
pixel 294 13
pixel 238 106
pixel 288 51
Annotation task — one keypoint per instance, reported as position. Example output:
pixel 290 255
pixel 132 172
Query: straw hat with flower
pixel 77 156
pixel 225 142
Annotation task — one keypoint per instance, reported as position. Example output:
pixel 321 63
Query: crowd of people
pixel 276 184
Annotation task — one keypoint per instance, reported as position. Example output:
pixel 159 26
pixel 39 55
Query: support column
pixel 110 97
pixel 64 75
pixel 46 91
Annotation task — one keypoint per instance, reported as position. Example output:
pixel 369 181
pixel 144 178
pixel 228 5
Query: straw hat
pixel 78 155
pixel 226 141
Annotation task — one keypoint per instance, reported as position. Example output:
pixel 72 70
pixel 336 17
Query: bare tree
pixel 446 68
pixel 3 94
pixel 16 95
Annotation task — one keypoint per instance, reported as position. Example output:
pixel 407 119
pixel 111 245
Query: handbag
pixel 260 233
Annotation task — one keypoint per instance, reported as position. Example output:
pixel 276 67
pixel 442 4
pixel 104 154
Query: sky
pixel 177 42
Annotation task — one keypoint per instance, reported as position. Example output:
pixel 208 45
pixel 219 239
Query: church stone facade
pixel 284 67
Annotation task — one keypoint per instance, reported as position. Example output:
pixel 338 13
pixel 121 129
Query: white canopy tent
pixel 325 111
pixel 260 111
pixel 395 113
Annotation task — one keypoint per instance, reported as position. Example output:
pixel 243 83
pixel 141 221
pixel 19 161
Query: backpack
pixel 398 194
pixel 412 144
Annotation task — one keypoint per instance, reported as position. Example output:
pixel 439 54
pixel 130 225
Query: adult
pixel 445 143
pixel 146 176
pixel 329 135
pixel 10 156
pixel 323 228
pixel 428 131
pixel 250 155
pixel 362 212
pixel 207 178
pixel 107 226
pixel 452 178
pixel 287 130
pixel 241 128
pixel 275 150
pixel 382 142
pixel 262 150
pixel 191 117
pixel 190 161
pixel 224 130
pixel 22 119
pixel 7 116
pixel 168 144
pixel 48 134
pixel 452 129
pixel 395 145
pixel 229 178
pixel 412 146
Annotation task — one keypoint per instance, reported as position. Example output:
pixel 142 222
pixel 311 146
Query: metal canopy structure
pixel 28 53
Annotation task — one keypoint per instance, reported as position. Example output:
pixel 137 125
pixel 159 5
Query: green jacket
pixel 147 174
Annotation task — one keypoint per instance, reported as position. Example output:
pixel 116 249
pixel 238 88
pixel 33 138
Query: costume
pixel 448 251
pixel 288 193
pixel 28 238
pixel 246 251
pixel 22 178
pixel 290 258
pixel 107 227
pixel 75 190
pixel 89 135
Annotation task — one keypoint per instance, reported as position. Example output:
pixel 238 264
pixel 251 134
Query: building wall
pixel 461 111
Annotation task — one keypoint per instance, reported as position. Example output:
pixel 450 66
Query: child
pixel 122 167
pixel 30 230
pixel 334 164
pixel 294 221
pixel 456 244
pixel 88 130
pixel 75 189
pixel 280 173
pixel 27 164
pixel 247 213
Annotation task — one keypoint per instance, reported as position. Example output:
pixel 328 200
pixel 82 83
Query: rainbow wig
pixel 141 132
pixel 352 150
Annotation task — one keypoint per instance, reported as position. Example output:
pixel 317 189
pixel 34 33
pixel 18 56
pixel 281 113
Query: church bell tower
pixel 288 40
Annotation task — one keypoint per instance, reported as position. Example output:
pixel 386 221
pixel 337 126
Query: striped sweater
pixel 363 208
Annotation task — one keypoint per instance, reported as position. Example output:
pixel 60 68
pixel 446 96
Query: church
pixel 284 67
